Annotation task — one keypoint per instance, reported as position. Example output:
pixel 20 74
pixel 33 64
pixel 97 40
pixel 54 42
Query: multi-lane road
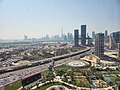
pixel 14 75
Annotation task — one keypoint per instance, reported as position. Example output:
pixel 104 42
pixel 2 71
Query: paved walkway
pixel 56 87
pixel 71 85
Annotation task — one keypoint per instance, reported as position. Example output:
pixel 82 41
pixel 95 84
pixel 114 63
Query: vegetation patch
pixel 45 86
pixel 14 86
pixel 1 66
pixel 81 82
pixel 63 67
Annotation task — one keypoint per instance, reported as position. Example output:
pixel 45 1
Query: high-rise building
pixel 76 37
pixel 116 36
pixel 83 34
pixel 99 45
pixel 93 34
pixel 106 33
pixel 65 37
pixel 106 37
pixel 93 37
pixel 69 37
pixel 89 41
pixel 112 44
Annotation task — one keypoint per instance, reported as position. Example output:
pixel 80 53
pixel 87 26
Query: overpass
pixel 43 64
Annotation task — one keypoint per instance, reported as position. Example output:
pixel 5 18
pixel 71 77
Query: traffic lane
pixel 42 67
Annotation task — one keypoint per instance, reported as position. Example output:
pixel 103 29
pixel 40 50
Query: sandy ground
pixel 111 54
pixel 93 59
pixel 22 62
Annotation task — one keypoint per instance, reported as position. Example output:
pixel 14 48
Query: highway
pixel 7 78
pixel 41 62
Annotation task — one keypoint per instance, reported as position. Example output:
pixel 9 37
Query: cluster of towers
pixel 99 39
pixel 83 37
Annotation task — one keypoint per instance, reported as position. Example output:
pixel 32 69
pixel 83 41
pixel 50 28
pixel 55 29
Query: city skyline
pixel 39 18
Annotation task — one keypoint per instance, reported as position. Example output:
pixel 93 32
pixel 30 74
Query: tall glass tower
pixel 99 45
pixel 76 37
pixel 83 34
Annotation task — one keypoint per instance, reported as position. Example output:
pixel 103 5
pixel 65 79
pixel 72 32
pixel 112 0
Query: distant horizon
pixel 37 18
pixel 22 38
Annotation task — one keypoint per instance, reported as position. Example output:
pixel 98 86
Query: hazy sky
pixel 37 18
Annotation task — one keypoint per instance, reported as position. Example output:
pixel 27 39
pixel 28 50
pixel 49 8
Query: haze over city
pixel 59 44
pixel 36 18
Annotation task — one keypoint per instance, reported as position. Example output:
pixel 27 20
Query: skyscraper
pixel 83 34
pixel 112 43
pixel 106 33
pixel 69 37
pixel 106 37
pixel 93 34
pixel 116 36
pixel 93 37
pixel 99 45
pixel 89 41
pixel 76 37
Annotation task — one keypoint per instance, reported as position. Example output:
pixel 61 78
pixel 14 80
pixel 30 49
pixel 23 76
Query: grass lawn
pixel 45 72
pixel 76 49
pixel 14 86
pixel 45 86
pixel 114 78
pixel 103 84
pixel 116 72
pixel 77 73
pixel 63 67
pixel 1 66
pixel 81 82
pixel 111 72
pixel 59 68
